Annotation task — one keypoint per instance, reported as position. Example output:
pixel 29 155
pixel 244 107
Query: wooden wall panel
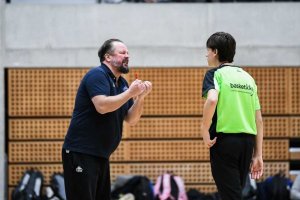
pixel 51 92
pixel 295 127
pixel 273 84
pixel 42 92
pixel 167 138
pixel 276 127
pixel 147 128
pixel 295 91
pixel 276 149
pixel 138 151
pixel 167 127
pixel 176 91
pixel 38 129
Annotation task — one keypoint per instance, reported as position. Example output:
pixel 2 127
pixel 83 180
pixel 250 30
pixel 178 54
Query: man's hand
pixel 148 88
pixel 136 88
pixel 256 168
pixel 135 112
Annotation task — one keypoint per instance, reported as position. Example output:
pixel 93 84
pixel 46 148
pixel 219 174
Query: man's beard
pixel 123 70
pixel 120 67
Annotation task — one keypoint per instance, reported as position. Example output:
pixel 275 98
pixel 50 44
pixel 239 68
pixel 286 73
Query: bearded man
pixel 103 101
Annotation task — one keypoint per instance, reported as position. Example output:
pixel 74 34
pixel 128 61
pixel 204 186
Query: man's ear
pixel 106 56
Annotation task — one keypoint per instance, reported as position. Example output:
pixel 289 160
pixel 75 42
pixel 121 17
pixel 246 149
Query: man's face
pixel 120 58
pixel 211 56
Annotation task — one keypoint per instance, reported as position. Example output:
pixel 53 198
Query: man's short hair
pixel 224 43
pixel 107 47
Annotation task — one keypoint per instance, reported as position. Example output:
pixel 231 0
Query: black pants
pixel 230 161
pixel 86 177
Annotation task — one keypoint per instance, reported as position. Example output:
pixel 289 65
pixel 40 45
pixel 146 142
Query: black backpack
pixel 29 187
pixel 278 187
pixel 57 184
pixel 19 192
pixel 139 186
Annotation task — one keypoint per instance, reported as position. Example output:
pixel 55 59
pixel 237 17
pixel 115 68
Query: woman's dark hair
pixel 107 47
pixel 224 43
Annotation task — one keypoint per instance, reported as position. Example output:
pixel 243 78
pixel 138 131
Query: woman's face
pixel 212 57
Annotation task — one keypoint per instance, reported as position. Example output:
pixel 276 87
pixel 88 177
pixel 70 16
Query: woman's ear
pixel 216 51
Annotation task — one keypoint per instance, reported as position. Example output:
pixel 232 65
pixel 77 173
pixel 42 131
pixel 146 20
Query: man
pixel 232 123
pixel 102 102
